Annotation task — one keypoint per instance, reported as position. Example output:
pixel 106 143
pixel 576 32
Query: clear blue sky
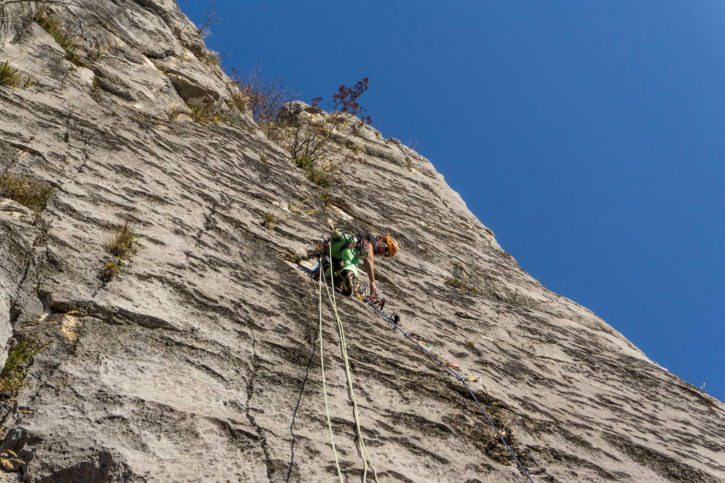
pixel 590 136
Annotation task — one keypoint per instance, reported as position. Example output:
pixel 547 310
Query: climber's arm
pixel 368 265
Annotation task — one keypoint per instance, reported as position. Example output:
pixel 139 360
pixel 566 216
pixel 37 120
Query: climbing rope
pixel 348 374
pixel 457 376
pixel 324 383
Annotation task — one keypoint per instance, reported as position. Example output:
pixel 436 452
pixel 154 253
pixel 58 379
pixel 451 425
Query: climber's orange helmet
pixel 389 245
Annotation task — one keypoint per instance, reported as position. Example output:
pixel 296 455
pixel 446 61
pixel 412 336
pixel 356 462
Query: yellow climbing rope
pixel 348 374
pixel 324 383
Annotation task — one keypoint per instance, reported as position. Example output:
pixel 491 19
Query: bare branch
pixel 266 96
pixel 211 20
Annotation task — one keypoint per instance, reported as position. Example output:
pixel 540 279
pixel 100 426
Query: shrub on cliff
pixel 313 138
pixel 12 376
pixel 346 100
pixel 122 242
pixel 46 18
pixel 264 96
pixel 9 77
pixel 25 190
pixel 109 272
pixel 204 30
pixel 268 220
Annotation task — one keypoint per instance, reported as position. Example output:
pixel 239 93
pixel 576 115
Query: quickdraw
pixel 322 243
pixel 394 320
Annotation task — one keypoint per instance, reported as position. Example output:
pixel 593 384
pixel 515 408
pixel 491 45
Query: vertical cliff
pixel 193 358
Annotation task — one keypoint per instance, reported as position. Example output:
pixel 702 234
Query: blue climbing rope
pixel 455 374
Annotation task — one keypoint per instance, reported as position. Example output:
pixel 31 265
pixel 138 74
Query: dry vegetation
pixel 46 18
pixel 122 242
pixel 455 283
pixel 110 271
pixel 263 96
pixel 9 77
pixel 204 30
pixel 12 376
pixel 268 220
pixel 25 190
pixel 321 173
pixel 310 143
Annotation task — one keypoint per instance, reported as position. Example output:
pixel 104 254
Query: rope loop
pixel 360 441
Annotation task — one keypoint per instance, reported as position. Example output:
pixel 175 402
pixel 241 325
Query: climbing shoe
pixel 350 284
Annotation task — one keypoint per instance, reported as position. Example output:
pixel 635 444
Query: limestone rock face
pixel 199 360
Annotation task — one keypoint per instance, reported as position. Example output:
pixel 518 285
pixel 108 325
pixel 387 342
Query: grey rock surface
pixel 196 362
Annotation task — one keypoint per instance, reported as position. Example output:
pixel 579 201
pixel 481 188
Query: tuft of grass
pixel 205 113
pixel 9 77
pixel 25 190
pixel 110 271
pixel 122 242
pixel 455 283
pixel 199 114
pixel 97 56
pixel 292 257
pixel 47 19
pixel 19 355
pixel 304 162
pixel 268 220
pixel 12 376
pixel 354 147
pixel 327 199
pixel 212 58
pixel 294 209
pixel 321 177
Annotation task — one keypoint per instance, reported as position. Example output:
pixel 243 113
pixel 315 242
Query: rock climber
pixel 347 251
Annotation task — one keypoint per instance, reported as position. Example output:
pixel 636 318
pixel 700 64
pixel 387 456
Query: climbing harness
pixel 350 283
pixel 367 461
pixel 394 320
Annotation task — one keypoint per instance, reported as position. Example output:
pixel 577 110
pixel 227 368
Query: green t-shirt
pixel 350 256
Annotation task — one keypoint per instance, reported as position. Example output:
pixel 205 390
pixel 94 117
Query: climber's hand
pixel 373 289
